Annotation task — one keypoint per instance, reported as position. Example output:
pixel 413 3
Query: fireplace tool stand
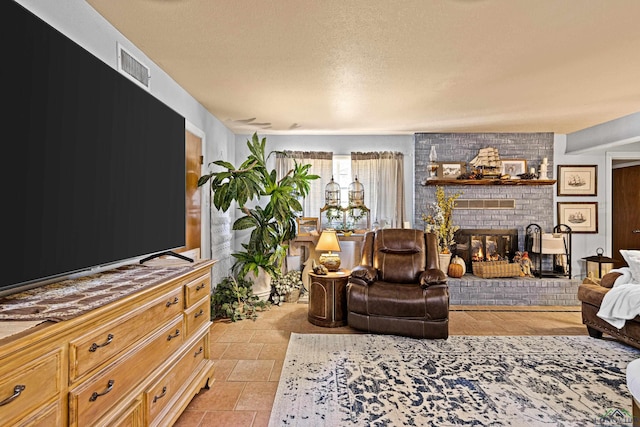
pixel 556 245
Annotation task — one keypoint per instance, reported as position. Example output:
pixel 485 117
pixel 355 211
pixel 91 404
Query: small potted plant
pixel 286 288
pixel 234 299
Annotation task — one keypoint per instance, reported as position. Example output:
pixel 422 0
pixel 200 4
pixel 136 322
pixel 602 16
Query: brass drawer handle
pixel 198 314
pixel 164 391
pixel 17 390
pixel 201 286
pixel 96 395
pixel 175 301
pixel 95 346
pixel 200 350
pixel 170 337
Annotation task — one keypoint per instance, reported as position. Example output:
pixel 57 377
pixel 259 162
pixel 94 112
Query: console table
pixel 328 298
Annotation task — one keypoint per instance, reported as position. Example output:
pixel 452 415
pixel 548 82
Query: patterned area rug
pixel 378 380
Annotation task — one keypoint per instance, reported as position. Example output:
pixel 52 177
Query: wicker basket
pixel 493 269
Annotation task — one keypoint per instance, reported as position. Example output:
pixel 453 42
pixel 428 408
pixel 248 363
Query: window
pixel 342 175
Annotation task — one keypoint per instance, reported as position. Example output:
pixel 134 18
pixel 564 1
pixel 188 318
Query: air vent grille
pixel 132 68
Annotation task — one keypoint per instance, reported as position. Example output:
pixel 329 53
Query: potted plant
pixel 234 299
pixel 439 220
pixel 287 287
pixel 272 225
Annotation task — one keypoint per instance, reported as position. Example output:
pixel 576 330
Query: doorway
pixel 623 218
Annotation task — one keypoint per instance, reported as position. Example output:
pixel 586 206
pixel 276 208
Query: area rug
pixel 380 380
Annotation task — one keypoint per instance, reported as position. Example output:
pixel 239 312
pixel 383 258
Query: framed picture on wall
pixel 307 226
pixel 582 217
pixel 577 180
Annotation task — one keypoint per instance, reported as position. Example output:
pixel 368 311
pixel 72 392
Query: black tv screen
pixel 93 166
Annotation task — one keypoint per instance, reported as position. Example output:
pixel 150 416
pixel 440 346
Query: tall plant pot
pixel 261 284
pixel 444 260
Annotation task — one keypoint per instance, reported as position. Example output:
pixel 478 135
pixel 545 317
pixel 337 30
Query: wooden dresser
pixel 136 361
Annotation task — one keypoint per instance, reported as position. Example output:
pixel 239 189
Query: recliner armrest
pixel 432 276
pixel 364 273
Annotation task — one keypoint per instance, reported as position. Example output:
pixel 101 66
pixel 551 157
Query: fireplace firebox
pixel 486 245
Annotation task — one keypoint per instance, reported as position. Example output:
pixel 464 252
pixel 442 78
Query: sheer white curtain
pixel 382 174
pixel 321 164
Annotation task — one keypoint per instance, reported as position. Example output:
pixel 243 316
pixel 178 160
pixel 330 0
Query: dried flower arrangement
pixel 439 219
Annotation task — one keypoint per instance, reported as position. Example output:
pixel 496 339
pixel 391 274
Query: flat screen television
pixel 93 168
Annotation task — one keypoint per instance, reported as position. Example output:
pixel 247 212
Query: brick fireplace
pixel 495 209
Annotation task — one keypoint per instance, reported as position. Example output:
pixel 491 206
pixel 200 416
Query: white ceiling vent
pixel 132 68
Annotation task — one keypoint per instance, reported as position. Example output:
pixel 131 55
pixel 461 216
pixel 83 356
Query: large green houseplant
pixel 273 224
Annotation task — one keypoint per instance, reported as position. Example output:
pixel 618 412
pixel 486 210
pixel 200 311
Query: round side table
pixel 328 298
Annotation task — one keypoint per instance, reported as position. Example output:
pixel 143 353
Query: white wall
pixel 596 152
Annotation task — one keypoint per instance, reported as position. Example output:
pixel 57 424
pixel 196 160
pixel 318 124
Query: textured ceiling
pixel 394 67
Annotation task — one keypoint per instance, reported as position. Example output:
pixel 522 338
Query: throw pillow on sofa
pixel 632 258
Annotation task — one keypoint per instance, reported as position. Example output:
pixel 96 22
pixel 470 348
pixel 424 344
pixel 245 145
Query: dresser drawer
pixel 95 397
pixel 106 341
pixel 29 387
pixel 197 289
pixel 131 416
pixel 48 416
pixel 197 316
pixel 162 393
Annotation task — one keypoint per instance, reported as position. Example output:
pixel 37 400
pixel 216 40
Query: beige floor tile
pixel 275 336
pixel 261 419
pixel 228 419
pixel 251 370
pixel 190 418
pixel 223 396
pixel 242 350
pixel 223 368
pixel 273 351
pixel 236 335
pixel 258 397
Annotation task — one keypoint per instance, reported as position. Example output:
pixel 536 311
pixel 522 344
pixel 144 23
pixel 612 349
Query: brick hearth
pixel 474 290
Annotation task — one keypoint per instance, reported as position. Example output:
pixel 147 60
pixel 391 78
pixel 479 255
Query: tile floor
pixel 249 354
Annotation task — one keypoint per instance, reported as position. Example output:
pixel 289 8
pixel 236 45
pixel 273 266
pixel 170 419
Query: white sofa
pixel 633 383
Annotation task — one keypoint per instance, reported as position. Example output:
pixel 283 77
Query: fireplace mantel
pixel 489 182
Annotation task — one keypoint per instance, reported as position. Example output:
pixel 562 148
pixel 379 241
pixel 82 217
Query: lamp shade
pixel 598 265
pixel 328 241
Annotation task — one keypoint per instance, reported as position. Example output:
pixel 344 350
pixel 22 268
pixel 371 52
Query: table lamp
pixel 328 241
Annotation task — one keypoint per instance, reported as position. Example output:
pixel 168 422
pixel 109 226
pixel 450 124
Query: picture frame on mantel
pixel 513 167
pixel 577 180
pixel 582 217
pixel 451 170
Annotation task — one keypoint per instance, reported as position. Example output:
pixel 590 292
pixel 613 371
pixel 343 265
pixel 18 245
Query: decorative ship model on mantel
pixel 488 162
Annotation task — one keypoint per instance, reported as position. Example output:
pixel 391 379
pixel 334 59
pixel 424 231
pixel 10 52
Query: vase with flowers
pixel 438 219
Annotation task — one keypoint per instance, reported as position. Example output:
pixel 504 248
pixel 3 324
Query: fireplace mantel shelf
pixel 489 182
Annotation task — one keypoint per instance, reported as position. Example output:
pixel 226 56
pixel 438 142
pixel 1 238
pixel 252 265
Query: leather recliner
pixel 398 288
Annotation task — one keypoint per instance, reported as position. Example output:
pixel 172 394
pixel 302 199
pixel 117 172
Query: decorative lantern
pixel 356 193
pixel 332 194
pixel 598 265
